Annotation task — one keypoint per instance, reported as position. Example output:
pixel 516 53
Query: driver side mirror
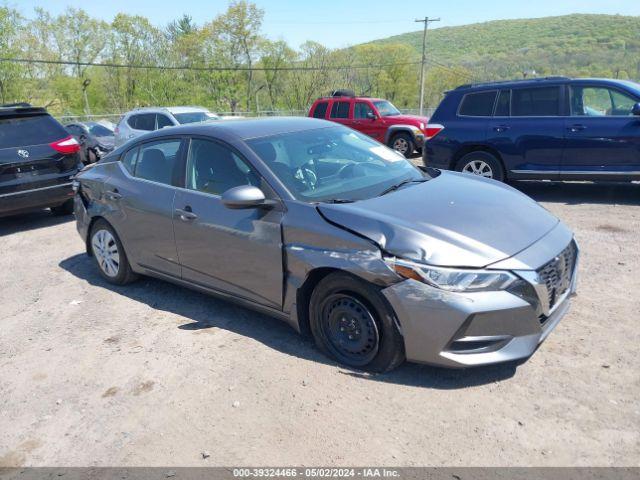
pixel 636 109
pixel 372 116
pixel 244 196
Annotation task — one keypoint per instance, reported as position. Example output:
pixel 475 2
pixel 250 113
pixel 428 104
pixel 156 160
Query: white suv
pixel 142 120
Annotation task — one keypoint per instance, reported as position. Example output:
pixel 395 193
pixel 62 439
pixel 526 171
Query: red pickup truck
pixel 375 117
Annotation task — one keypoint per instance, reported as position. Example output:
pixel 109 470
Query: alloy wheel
pixel 478 167
pixel 401 145
pixel 350 329
pixel 106 252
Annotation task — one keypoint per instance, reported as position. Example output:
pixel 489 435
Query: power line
pixel 205 69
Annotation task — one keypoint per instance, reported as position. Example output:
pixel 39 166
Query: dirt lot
pixel 153 374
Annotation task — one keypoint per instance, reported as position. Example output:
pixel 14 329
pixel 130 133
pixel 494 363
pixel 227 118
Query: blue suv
pixel 553 128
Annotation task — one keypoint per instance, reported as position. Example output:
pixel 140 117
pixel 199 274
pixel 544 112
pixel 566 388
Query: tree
pixel 10 28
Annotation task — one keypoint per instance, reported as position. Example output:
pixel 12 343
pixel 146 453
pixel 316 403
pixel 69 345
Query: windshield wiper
pixel 339 200
pixel 395 187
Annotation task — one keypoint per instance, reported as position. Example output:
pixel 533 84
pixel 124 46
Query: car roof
pixel 244 129
pixel 172 110
pixel 346 98
pixel 21 109
pixel 538 81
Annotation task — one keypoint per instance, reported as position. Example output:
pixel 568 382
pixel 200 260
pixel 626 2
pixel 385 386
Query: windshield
pixel 386 109
pixel 192 117
pixel 98 130
pixel 333 164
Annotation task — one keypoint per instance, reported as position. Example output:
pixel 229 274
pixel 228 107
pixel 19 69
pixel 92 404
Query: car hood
pixel 408 119
pixel 451 220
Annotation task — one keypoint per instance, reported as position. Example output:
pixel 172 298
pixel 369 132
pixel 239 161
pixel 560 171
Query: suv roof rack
pixel 501 82
pixel 22 108
pixel 16 105
pixel 343 93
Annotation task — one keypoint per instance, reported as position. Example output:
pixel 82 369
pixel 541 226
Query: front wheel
pixel 109 254
pixel 351 322
pixel 403 143
pixel 482 164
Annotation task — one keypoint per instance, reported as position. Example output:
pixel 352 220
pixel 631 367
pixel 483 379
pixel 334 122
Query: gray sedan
pixel 335 234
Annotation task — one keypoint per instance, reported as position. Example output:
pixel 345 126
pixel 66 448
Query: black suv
pixel 38 157
pixel 553 128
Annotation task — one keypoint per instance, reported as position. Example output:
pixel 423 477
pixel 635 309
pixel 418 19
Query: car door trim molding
pixel 577 172
pixel 60 185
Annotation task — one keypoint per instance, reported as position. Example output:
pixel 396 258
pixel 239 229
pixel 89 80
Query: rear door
pixel 234 251
pixel 602 135
pixel 28 159
pixel 140 198
pixel 341 112
pixel 530 139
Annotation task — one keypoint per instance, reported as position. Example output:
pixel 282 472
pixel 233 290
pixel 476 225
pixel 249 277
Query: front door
pixel 602 135
pixel 366 120
pixel 238 252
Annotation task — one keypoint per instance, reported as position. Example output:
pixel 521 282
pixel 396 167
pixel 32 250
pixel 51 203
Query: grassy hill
pixel 575 45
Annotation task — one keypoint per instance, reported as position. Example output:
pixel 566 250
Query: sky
pixel 337 23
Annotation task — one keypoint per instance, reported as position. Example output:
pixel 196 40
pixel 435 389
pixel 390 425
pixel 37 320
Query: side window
pixel 132 121
pixel 503 107
pixel 599 102
pixel 164 121
pixel 129 160
pixel 320 110
pixel 535 102
pixel 144 121
pixel 340 110
pixel 361 110
pixel 478 104
pixel 156 161
pixel 214 168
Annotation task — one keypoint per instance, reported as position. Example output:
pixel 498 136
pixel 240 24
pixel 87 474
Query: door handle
pixel 577 128
pixel 113 195
pixel 501 128
pixel 186 215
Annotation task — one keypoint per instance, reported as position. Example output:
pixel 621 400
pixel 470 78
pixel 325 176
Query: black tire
pixel 470 161
pixel 342 305
pixel 403 143
pixel 65 209
pixel 123 274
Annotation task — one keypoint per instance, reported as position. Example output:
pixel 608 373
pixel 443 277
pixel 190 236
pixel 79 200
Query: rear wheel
pixel 403 143
pixel 65 209
pixel 109 254
pixel 351 322
pixel 482 164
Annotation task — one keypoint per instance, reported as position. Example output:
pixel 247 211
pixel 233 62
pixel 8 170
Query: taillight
pixel 432 130
pixel 66 146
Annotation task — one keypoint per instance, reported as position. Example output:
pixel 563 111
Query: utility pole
pixel 426 21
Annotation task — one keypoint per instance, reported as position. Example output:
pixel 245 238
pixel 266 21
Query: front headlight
pixel 453 279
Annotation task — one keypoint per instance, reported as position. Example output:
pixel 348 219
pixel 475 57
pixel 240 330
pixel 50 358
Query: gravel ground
pixel 153 374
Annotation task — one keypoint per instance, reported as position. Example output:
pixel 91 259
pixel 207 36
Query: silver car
pixel 335 234
pixel 143 120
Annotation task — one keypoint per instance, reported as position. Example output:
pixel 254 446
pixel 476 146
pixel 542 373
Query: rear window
pixel 320 110
pixel 340 110
pixel 30 130
pixel 143 121
pixel 535 102
pixel 478 104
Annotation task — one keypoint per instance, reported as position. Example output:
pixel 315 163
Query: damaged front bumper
pixel 454 329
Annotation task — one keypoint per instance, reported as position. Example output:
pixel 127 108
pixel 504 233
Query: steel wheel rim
pixel 105 249
pixel 400 145
pixel 478 167
pixel 350 329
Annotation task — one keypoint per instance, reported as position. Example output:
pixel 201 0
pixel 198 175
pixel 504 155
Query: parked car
pixel 38 158
pixel 375 117
pixel 95 140
pixel 325 228
pixel 552 128
pixel 143 120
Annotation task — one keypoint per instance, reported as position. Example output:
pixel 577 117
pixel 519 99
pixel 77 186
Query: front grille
pixel 558 272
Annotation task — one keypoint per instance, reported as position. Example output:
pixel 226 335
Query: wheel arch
pixel 393 130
